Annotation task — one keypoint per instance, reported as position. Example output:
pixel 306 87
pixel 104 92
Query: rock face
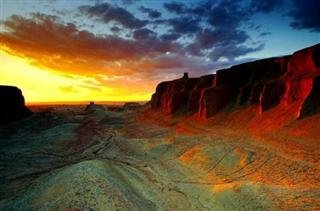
pixel 312 103
pixel 214 99
pixel 173 95
pixel 267 83
pixel 195 94
pixel 271 94
pixel 12 106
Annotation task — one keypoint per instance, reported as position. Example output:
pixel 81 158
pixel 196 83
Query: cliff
pixel 12 106
pixel 288 82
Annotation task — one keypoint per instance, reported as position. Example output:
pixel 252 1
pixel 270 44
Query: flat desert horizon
pixel 159 105
pixel 85 102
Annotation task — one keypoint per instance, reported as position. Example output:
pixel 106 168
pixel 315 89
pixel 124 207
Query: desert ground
pixel 72 158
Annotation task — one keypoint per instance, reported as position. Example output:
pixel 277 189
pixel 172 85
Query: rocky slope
pixel 289 81
pixel 12 106
pixel 66 158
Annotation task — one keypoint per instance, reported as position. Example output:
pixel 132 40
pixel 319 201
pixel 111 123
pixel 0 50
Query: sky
pixel 119 50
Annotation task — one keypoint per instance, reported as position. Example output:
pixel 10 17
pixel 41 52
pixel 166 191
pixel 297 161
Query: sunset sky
pixel 118 50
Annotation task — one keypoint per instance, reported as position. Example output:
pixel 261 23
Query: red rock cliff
pixel 173 95
pixel 287 81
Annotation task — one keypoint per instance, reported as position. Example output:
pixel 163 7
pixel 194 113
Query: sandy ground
pixel 63 158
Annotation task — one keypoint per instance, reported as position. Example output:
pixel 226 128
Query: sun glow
pixel 43 85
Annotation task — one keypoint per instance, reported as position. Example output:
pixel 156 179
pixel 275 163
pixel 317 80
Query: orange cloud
pixel 128 67
pixel 63 47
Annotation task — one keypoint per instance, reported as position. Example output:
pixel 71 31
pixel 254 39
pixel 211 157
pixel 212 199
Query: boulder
pixel 12 106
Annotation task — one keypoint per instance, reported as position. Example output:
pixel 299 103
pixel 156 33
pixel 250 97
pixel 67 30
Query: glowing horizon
pixel 46 86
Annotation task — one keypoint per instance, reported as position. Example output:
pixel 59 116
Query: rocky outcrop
pixel 302 68
pixel 12 106
pixel 131 106
pixel 94 107
pixel 244 84
pixel 173 95
pixel 289 81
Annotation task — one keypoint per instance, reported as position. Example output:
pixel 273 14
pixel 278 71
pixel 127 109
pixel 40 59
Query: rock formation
pixel 292 80
pixel 12 106
pixel 93 107
pixel 195 94
pixel 312 103
pixel 173 95
pixel 131 106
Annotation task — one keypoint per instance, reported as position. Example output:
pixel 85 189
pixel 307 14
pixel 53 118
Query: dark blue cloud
pixel 228 14
pixel 305 14
pixel 115 29
pixel 179 8
pixel 265 6
pixel 151 12
pixel 209 29
pixel 170 37
pixel 107 12
pixel 209 25
pixel 222 36
pixel 175 7
pixel 226 23
pixel 129 1
pixel 262 34
pixel 184 25
pixel 211 42
pixel 231 52
pixel 144 34
pixel 214 25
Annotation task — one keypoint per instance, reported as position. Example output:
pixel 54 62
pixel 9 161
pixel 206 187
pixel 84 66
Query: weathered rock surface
pixel 119 161
pixel 214 99
pixel 12 106
pixel 312 104
pixel 173 95
pixel 194 98
pixel 271 94
pixel 268 83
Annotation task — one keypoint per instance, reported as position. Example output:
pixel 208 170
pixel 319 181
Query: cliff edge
pixel 290 82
